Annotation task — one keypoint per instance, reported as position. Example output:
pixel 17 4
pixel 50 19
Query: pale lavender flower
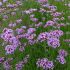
pixel 42 10
pixel 32 16
pixel 19 21
pixel 55 19
pixel 14 41
pixel 56 14
pixel 7 34
pixel 45 63
pixel 30 37
pixel 18 2
pixel 49 23
pixel 10 25
pixel 5 17
pixel 27 12
pixel 46 5
pixel 61 59
pixel 62 53
pixel 31 30
pixel 19 65
pixel 38 25
pixel 52 8
pixel 1 3
pixel 31 42
pixel 19 30
pixel 10 5
pixel 42 36
pixel 1 59
pixel 4 1
pixel 55 34
pixel 13 13
pixel 24 27
pixel 32 10
pixel 42 1
pixel 34 19
pixel 10 49
pixel 53 42
pixel 20 36
pixel 14 24
pixel 6 65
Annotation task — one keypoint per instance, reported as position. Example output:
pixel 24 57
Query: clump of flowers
pixel 53 42
pixel 42 1
pixel 6 64
pixel 10 49
pixel 49 23
pixel 62 54
pixel 7 34
pixel 43 36
pixel 9 37
pixel 32 28
pixel 55 34
pixel 1 59
pixel 45 63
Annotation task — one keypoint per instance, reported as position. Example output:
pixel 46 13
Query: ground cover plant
pixel 34 35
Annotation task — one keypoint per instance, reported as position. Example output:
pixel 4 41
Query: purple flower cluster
pixel 51 37
pixel 56 14
pixel 45 63
pixel 42 36
pixel 52 8
pixel 10 49
pixel 4 1
pixel 18 21
pixel 19 30
pixel 34 19
pixel 11 25
pixel 30 11
pixel 38 25
pixel 42 1
pixel 62 53
pixel 8 36
pixel 53 42
pixel 30 36
pixel 60 57
pixel 16 31
pixel 18 3
pixel 6 64
pixel 31 30
pixel 1 59
pixel 49 23
pixel 55 33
